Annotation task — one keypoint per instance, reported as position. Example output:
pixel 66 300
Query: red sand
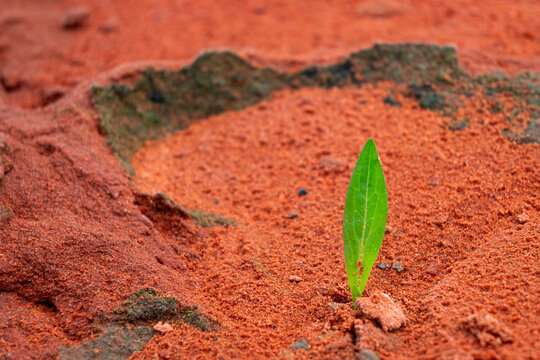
pixel 464 206
pixel 453 209
pixel 39 59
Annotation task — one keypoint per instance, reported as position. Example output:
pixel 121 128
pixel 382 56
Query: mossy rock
pixel 116 343
pixel 161 102
pixel 148 305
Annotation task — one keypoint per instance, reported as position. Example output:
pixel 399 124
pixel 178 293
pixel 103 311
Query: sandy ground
pixel 463 205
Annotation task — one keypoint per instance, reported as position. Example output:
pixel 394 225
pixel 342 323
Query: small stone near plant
pixel 383 309
pixel 382 266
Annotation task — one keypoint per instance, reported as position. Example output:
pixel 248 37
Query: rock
pixel 292 216
pixel 294 278
pixel 382 308
pixel 115 343
pixel 397 266
pixel 367 355
pixel 329 165
pixel 301 344
pixel 382 266
pixel 302 192
pixel 487 329
pixel 75 18
pixel 163 327
pixel 389 229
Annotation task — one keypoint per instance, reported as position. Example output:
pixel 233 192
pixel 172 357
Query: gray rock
pixel 397 266
pixel 301 344
pixel 382 266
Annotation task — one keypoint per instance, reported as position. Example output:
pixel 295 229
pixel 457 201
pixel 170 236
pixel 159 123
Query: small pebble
pixel 75 18
pixel 301 344
pixel 302 192
pixel 294 278
pixel 292 216
pixel 397 266
pixel 382 266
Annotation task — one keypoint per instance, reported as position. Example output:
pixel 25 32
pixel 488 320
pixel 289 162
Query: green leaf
pixel 364 221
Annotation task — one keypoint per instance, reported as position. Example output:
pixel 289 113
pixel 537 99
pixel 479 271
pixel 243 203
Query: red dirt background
pixel 464 206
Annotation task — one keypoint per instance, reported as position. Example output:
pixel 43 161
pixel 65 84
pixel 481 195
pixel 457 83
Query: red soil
pixel 455 210
pixel 39 60
pixel 464 206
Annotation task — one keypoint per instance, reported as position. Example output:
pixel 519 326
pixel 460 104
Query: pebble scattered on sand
pixel 294 278
pixel 397 266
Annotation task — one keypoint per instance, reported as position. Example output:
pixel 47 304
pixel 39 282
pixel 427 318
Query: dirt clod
pixel 330 165
pixel 487 329
pixel 294 278
pixel 163 328
pixel 382 308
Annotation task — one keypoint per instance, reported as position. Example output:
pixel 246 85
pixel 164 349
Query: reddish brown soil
pixel 464 206
pixel 39 60
pixel 462 218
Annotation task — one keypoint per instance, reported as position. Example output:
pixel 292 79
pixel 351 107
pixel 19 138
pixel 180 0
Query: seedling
pixel 364 220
